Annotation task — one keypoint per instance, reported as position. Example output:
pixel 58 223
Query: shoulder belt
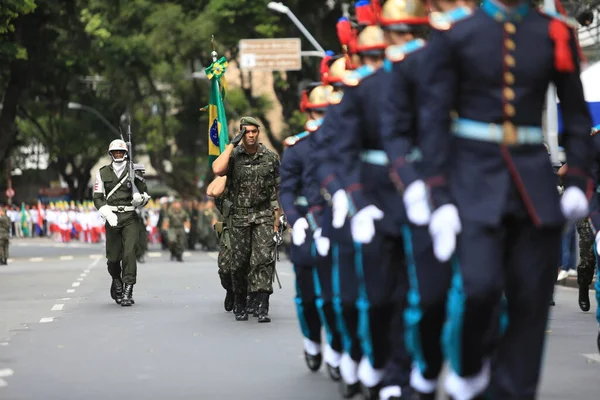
pixel 313 125
pixel 118 185
pixel 444 21
pixel 353 78
pixel 292 140
pixel 570 22
pixel 399 52
pixel 336 97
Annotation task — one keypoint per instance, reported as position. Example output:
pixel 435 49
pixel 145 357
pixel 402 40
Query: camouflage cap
pixel 249 121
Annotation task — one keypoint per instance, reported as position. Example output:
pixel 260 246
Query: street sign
pixel 270 54
pixel 10 192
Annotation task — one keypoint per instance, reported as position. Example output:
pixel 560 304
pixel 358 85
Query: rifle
pixel 130 152
pixel 278 238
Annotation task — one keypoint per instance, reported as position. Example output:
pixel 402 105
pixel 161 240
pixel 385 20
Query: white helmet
pixel 117 144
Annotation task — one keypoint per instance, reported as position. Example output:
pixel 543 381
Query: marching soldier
pixel 253 175
pixel 116 203
pixel 302 204
pixel 492 184
pixel 177 221
pixel 587 263
pixel 218 190
pixel 5 226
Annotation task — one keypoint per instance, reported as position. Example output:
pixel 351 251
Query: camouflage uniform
pixel 5 225
pixel 142 246
pixel 587 259
pixel 224 260
pixel 253 180
pixel 176 231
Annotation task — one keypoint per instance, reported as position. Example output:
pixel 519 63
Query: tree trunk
pixel 12 95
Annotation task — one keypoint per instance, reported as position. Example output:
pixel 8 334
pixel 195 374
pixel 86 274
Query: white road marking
pixel 80 279
pixel 96 256
pixel 6 372
pixel 65 299
pixel 46 319
pixel 92 265
pixel 75 284
pixel 3 383
pixel 70 290
pixel 3 343
pixel 214 254
pixel 57 307
pixel 593 357
pixel 36 259
pixel 154 254
pixel 83 274
pixel 65 258
pixel 187 253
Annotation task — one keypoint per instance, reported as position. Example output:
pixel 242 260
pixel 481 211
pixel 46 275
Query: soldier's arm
pixel 397 120
pixel 99 196
pixel 438 90
pixel 323 154
pixel 275 205
pixel 577 124
pixel 221 164
pixel 291 173
pixel 348 146
pixel 217 186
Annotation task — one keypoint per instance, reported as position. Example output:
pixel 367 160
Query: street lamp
pixel 77 106
pixel 283 9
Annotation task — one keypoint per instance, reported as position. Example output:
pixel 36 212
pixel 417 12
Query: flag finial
pixel 214 54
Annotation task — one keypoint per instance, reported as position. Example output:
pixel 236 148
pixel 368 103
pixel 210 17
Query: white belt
pixel 121 209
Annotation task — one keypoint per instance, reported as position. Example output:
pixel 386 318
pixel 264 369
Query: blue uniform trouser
pixel 515 258
pixel 323 274
pixel 306 296
pixel 382 286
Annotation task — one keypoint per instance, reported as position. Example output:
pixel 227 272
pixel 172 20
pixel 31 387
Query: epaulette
pixel 353 78
pixel 313 124
pixel 292 140
pixel 570 22
pixel 336 97
pixel 444 21
pixel 399 52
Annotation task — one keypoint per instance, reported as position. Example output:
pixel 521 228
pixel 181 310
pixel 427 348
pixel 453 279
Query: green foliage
pixel 11 9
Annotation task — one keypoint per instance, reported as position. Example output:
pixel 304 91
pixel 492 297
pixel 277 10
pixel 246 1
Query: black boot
pixel 229 300
pixel 313 362
pixel 263 307
pixel 584 298
pixel 251 304
pixel 422 396
pixel 116 290
pixel 127 295
pixel 239 307
pixel 334 372
pixel 349 390
pixel 141 259
pixel 180 258
pixel 371 393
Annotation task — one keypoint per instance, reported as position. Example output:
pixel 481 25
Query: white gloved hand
pixel 598 242
pixel 574 204
pixel 186 230
pixel 108 215
pixel 444 227
pixel 340 207
pixel 299 232
pixel 321 243
pixel 145 198
pixel 137 200
pixel 416 204
pixel 363 224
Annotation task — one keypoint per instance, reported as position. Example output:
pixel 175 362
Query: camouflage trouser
pixel 253 256
pixel 176 238
pixel 224 260
pixel 3 249
pixel 587 259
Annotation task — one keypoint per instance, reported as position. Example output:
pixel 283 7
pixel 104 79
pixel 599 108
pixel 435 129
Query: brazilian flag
pixel 24 220
pixel 218 137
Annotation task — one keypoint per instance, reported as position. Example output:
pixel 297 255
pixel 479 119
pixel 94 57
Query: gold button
pixel 499 16
pixel 509 110
pixel 509 94
pixel 510 27
pixel 509 78
pixel 509 60
pixel 510 44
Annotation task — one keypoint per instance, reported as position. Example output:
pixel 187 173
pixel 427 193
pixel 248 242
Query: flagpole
pixel 214 46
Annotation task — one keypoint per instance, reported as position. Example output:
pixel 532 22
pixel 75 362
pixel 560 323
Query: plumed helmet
pixel 371 41
pixel 315 98
pixel 336 70
pixel 117 144
pixel 403 15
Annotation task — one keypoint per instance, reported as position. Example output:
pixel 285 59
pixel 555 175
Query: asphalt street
pixel 62 337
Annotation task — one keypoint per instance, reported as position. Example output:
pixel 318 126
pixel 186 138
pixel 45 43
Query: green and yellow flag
pixel 218 137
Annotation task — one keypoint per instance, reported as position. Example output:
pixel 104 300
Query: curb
pixel 571 282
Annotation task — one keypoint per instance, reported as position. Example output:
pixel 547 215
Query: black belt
pixel 249 210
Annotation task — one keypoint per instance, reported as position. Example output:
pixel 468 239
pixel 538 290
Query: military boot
pixel 584 298
pixel 422 396
pixel 371 393
pixel 127 295
pixel 239 307
pixel 229 301
pixel 251 304
pixel 334 372
pixel 313 362
pixel 116 290
pixel 349 390
pixel 263 307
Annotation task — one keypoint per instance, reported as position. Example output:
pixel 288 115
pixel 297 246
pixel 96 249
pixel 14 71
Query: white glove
pixel 363 224
pixel 416 204
pixel 598 243
pixel 444 227
pixel 321 243
pixel 574 204
pixel 137 200
pixel 108 215
pixel 299 232
pixel 340 207
pixel 186 230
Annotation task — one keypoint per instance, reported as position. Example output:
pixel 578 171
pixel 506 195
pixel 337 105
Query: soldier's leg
pixel 130 236
pixel 114 250
pixel 262 266
pixel 530 268
pixel 587 263
pixel 224 264
pixel 241 249
pixel 475 293
pixel 3 251
pixel 180 244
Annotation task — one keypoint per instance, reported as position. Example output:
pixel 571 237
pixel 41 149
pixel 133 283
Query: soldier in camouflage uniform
pixel 178 220
pixel 218 190
pixel 116 203
pixel 587 262
pixel 5 225
pixel 253 178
